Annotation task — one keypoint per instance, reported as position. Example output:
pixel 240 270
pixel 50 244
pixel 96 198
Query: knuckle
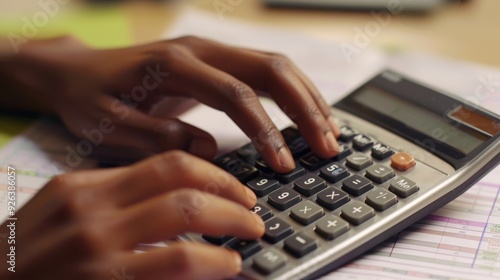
pixel 268 135
pixel 185 256
pixel 167 127
pixel 238 92
pixel 90 238
pixel 278 62
pixel 72 194
pixel 179 162
pixel 313 111
pixel 185 197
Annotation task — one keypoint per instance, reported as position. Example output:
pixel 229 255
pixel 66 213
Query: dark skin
pixel 82 220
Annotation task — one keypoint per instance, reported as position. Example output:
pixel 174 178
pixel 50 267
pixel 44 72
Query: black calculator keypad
pixel 332 198
pixel 334 172
pixel 283 199
pixel 358 161
pixel 276 230
pixel 362 142
pixel 263 185
pixel 300 244
pixel 269 260
pixel 309 184
pixel 264 212
pixel 245 248
pixel 356 185
pixel 306 212
pixel 321 200
pixel 290 176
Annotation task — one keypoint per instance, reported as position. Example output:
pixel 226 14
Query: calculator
pixel 405 151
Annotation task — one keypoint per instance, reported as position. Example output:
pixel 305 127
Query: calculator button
pixel 300 244
pixel 358 161
pixel 381 151
pixel 262 186
pixel 332 198
pixel 306 212
pixel 297 145
pixel 331 227
pixel 309 184
pixel 242 171
pixel 379 173
pixel 290 176
pixel 313 162
pixel 277 229
pixel 381 199
pixel 269 260
pixel 344 151
pixel 217 240
pixel 347 133
pixel 356 212
pixel 284 198
pixel 402 161
pixel 362 142
pixel 356 185
pixel 261 210
pixel 403 186
pixel 333 172
pixel 245 248
pixel 248 153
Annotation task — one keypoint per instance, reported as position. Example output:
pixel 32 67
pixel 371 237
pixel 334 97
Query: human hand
pixel 116 91
pixel 85 225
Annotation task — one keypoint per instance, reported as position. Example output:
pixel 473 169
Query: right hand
pixel 85 225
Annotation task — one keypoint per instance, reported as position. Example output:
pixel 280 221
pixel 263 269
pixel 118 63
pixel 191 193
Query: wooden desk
pixel 468 31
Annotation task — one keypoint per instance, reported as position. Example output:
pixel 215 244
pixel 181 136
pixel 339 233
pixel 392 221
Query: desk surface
pixel 466 31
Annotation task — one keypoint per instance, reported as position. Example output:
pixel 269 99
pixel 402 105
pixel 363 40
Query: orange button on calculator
pixel 402 161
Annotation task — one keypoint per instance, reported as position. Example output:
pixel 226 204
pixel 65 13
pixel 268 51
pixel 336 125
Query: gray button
pixel 381 199
pixel 357 212
pixel 269 261
pixel 331 227
pixel 403 186
pixel 379 173
pixel 306 212
pixel 358 161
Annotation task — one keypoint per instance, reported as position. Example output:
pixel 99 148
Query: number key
pixel 261 210
pixel 334 172
pixel 262 186
pixel 284 198
pixel 309 184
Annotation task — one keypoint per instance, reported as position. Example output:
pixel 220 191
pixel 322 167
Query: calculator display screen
pixel 429 123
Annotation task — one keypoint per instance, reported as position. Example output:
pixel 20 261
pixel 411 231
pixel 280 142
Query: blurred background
pixel 464 30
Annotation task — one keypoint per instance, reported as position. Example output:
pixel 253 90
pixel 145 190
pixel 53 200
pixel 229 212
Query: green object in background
pixel 104 27
pixel 101 27
pixel 11 126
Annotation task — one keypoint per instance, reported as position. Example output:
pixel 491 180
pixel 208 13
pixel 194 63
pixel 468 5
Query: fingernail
pixel 333 126
pixel 251 196
pixel 285 158
pixel 331 143
pixel 201 147
pixel 237 261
